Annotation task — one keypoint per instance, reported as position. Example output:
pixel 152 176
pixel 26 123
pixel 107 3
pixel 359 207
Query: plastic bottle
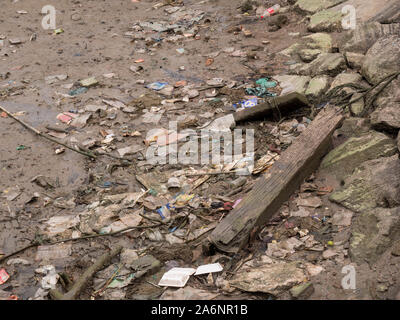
pixel 271 11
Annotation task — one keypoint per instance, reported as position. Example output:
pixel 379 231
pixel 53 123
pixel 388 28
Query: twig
pixel 90 155
pixel 85 278
pixel 39 243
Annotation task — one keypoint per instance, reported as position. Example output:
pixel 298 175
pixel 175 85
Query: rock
pixel 313 6
pixel 345 158
pixel 291 83
pixel 317 87
pixel 352 127
pixel 308 55
pixel 355 60
pixel 396 249
pixel 387 117
pixel 325 20
pixel 344 78
pixel 357 107
pixel 316 41
pixel 374 231
pixel 302 291
pixel 382 59
pixel 330 64
pixel 365 35
pixel 398 141
pixel 272 279
pixel 374 183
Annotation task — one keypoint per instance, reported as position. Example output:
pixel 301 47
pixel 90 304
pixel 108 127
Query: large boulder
pixel 387 114
pixel 355 60
pixel 345 78
pixel 290 83
pixel 270 278
pixel 313 6
pixel 345 158
pixel 387 117
pixel 326 20
pixel 330 64
pixel 317 87
pixel 365 35
pixel 373 184
pixel 317 41
pixel 373 232
pixel 382 59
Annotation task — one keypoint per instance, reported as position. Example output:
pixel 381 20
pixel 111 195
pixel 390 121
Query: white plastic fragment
pixel 209 268
pixel 176 277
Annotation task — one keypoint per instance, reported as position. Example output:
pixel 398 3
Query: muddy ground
pixel 99 40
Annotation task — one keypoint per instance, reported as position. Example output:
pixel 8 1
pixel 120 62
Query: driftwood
pixel 281 105
pixel 275 186
pixel 85 278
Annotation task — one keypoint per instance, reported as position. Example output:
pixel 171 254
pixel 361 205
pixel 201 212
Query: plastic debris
pixel 261 90
pixel 4 276
pixel 176 277
pixel 208 268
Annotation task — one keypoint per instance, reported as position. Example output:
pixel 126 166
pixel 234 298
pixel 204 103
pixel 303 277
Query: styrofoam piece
pixel 176 277
pixel 209 268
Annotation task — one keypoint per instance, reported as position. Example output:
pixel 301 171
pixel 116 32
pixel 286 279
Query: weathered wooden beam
pixel 282 104
pixel 275 187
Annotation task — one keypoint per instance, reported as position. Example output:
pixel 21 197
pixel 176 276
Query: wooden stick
pixel 85 278
pixel 90 155
pixel 276 186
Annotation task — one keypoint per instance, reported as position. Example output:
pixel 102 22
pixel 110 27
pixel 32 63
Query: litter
pixel 208 268
pixel 4 276
pixel 261 90
pixel 176 277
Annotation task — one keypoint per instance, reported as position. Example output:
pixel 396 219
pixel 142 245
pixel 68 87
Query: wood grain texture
pixel 275 187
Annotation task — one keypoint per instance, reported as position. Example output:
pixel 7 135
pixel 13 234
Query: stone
pixel 308 55
pixel 374 232
pixel 344 78
pixel 357 107
pixel 329 253
pixel 396 249
pixel 317 41
pixel 352 127
pixel 325 20
pixel 365 35
pixel 373 184
pixel 398 141
pixel 330 64
pixel 302 291
pixel 382 59
pixel 313 6
pixel 271 278
pixel 355 60
pixel 292 83
pixel 387 117
pixel 342 160
pixel 317 87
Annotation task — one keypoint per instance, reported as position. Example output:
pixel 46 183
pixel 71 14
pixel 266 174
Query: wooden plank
pixel 282 104
pixel 275 187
